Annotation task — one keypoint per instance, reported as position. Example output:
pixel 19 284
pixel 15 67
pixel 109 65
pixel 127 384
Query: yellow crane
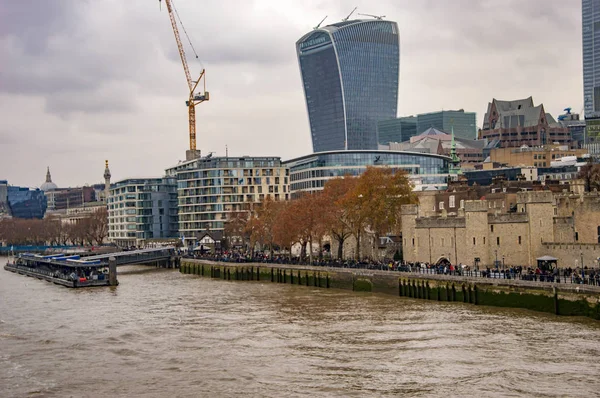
pixel 194 99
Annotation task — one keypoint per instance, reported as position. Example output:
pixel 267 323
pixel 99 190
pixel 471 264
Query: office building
pixel 310 173
pixel 213 189
pixel 576 127
pixel 590 12
pixel 25 202
pixel 396 130
pixel 518 122
pixel 349 73
pixel 141 210
pixel 541 156
pixel 463 123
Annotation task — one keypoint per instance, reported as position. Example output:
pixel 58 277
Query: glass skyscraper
pixel 591 57
pixel 350 76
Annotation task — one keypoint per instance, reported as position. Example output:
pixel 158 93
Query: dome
pixel 48 185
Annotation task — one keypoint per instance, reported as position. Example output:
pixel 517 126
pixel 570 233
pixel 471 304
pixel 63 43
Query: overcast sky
pixel 82 81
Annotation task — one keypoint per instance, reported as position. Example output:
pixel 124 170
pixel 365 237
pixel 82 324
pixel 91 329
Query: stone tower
pixel 106 181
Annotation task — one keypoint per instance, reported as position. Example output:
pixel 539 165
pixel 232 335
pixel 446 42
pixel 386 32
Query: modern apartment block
pixel 463 123
pixel 211 189
pixel 350 73
pixel 142 209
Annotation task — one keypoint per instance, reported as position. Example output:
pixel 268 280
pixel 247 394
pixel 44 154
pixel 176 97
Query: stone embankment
pixel 563 299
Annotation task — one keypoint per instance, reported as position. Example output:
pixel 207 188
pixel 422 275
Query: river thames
pixel 161 333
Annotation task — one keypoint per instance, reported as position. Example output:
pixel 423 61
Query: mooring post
pixel 112 271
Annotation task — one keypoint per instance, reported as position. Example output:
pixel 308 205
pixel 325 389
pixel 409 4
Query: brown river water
pixel 164 334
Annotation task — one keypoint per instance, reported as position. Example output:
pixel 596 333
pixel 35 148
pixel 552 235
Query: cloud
pixel 83 81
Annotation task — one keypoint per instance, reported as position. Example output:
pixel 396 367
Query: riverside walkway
pixel 552 297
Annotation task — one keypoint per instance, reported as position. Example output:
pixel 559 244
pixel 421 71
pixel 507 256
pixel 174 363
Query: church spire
pixel 48 176
pixel 455 168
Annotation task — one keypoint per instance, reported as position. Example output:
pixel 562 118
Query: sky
pixel 82 81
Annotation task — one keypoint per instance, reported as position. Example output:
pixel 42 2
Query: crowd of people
pixel 589 276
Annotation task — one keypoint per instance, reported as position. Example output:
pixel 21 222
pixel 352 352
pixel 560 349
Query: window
pixel 492 228
pixel 452 203
pixel 576 236
pixel 441 206
pixel 498 241
pixel 519 240
pixel 462 204
pixel 484 240
pixel 474 240
pixel 413 241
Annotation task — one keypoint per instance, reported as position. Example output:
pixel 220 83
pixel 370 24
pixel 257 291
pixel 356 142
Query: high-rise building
pixel 463 123
pixel 396 130
pixel 350 73
pixel 142 209
pixel 591 57
pixel 210 190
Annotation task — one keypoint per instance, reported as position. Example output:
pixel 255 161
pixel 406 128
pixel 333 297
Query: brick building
pixel 519 122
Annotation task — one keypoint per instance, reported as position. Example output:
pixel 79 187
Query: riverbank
pixel 559 299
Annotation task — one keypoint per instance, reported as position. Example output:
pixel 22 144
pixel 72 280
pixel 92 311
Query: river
pixel 161 333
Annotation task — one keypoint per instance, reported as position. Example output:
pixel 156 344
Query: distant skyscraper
pixel 591 57
pixel 350 75
pixel 463 123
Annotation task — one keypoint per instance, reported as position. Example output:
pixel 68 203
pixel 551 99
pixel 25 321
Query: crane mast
pixel 193 99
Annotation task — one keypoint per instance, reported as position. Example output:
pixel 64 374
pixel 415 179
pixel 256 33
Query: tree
pixel 310 221
pixel 286 229
pixel 334 214
pixel 98 225
pixel 590 174
pixel 375 202
pixel 235 228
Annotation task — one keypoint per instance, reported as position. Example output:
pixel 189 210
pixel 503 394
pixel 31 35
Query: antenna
pixel 317 27
pixel 373 16
pixel 349 15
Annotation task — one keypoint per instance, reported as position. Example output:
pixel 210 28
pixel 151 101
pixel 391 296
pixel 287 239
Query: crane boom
pixel 186 69
pixel 193 99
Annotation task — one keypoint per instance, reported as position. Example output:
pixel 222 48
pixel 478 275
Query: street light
pixel 582 273
pixel 496 262
pixel 502 262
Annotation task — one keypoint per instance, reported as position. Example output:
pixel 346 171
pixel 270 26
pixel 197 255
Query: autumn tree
pixel 235 228
pixel 334 213
pixel 260 224
pixel 590 174
pixel 310 222
pixel 375 202
pixel 286 231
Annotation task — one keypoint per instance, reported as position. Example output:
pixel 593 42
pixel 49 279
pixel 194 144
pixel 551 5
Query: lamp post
pixel 502 262
pixel 582 274
pixel 496 261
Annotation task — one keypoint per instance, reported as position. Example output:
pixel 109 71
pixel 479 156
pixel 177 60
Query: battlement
pixel 476 206
pixel 409 210
pixel 535 197
pixel 441 222
pixel 508 218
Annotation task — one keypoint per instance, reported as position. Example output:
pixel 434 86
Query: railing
pixel 590 276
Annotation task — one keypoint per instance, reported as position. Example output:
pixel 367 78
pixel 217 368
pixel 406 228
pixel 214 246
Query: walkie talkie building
pixel 350 76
